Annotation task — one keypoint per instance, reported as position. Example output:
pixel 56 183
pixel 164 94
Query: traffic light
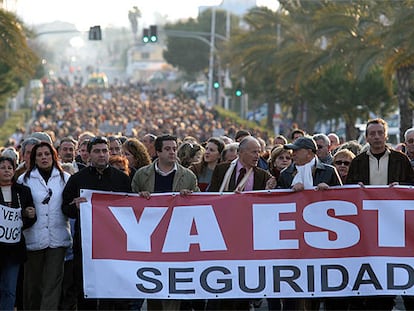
pixel 145 35
pixel 153 33
pixel 238 92
pixel 216 84
pixel 95 33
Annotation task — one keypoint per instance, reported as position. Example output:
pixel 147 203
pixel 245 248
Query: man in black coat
pixel 379 165
pixel 98 176
pixel 306 170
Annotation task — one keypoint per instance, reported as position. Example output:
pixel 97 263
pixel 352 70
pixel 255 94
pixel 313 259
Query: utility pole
pixel 227 80
pixel 211 61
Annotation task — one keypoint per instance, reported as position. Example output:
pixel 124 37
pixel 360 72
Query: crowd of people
pixel 127 141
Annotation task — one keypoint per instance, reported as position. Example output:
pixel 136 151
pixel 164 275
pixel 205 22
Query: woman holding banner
pixel 17 213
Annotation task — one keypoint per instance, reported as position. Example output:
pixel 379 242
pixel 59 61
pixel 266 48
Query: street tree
pixel 17 60
pixel 372 33
pixel 191 55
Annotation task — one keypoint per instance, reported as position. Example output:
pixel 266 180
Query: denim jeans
pixel 9 272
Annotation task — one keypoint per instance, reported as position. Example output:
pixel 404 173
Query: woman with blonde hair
pixel 279 159
pixel 342 160
pixel 189 153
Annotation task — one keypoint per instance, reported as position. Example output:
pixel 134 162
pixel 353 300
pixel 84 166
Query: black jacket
pixel 112 179
pixel 399 169
pixel 21 197
pixel 322 173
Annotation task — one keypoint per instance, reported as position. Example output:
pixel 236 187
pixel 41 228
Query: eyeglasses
pixel 346 163
pixel 47 197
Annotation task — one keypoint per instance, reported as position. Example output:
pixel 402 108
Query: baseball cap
pixel 302 143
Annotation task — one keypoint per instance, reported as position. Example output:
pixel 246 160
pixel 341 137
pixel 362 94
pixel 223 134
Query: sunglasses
pixel 47 197
pixel 346 163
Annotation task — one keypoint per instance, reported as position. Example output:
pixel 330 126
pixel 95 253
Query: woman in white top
pixel 48 239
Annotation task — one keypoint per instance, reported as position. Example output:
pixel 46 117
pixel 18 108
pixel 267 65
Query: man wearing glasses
pixel 98 176
pixel 323 144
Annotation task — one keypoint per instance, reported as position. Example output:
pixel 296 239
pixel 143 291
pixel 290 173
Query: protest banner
pixel 10 224
pixel 338 242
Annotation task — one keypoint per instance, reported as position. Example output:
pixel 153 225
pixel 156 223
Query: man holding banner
pixel 242 174
pixel 307 171
pixel 165 174
pixel 98 176
pixel 379 165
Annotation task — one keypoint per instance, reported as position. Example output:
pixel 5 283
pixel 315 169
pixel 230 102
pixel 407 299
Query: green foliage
pixel 16 119
pixel 336 93
pixel 17 61
pixel 188 54
pixel 346 53
pixel 239 122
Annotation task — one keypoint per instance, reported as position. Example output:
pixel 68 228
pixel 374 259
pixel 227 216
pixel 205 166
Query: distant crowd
pixel 145 141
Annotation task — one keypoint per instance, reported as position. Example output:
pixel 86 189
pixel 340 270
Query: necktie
pixel 242 172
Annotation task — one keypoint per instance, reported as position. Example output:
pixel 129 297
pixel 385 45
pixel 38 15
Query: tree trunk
pixel 406 112
pixel 270 112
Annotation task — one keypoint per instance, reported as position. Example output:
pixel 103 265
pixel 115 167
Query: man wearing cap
pixel 306 170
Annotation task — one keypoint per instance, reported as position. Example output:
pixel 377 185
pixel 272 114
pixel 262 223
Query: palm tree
pixel 371 33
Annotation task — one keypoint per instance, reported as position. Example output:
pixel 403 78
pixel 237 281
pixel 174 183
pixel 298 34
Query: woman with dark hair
pixel 204 169
pixel 48 239
pixel 13 247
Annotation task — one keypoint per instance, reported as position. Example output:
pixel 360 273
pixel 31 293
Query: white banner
pixel 10 224
pixel 333 243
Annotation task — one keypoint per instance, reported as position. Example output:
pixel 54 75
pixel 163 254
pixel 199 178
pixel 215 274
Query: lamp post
pixel 211 61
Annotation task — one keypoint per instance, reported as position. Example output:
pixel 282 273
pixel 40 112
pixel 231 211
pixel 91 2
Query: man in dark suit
pixel 307 171
pixel 242 174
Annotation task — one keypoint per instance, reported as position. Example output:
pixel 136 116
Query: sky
pixel 84 13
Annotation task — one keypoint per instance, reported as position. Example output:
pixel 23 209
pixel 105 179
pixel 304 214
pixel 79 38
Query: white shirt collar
pixel 157 169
